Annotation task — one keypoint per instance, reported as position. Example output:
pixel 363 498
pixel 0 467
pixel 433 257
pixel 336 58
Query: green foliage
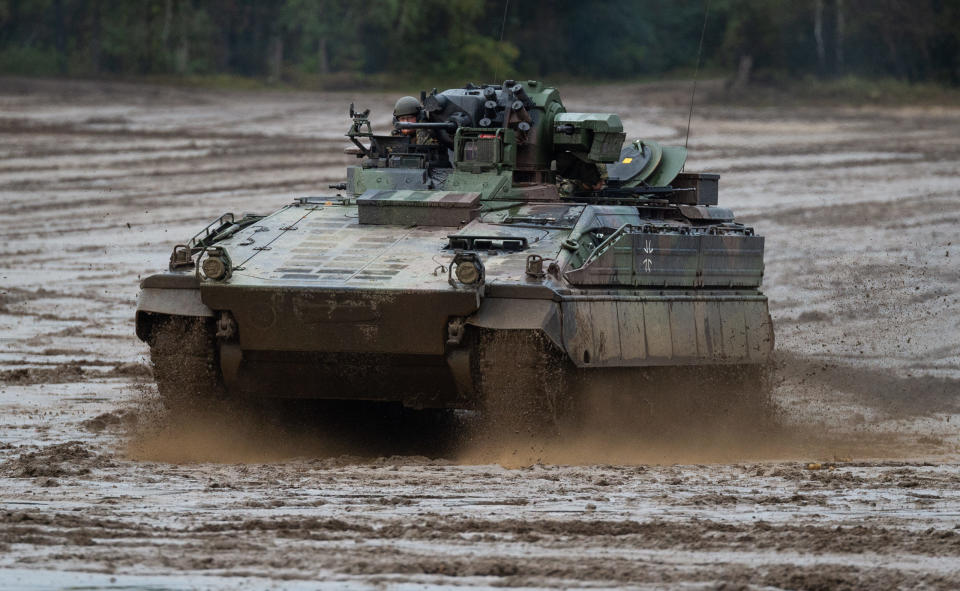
pixel 29 61
pixel 336 40
pixel 492 59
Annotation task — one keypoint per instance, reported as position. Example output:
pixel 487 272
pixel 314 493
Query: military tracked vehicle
pixel 522 249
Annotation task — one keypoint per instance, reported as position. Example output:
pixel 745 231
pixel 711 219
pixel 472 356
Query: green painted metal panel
pixel 683 330
pixel 709 329
pixel 577 330
pixel 643 259
pixel 671 163
pixel 759 331
pixel 606 332
pixel 734 332
pixel 633 341
pixel 656 153
pixel 633 158
pixel 656 316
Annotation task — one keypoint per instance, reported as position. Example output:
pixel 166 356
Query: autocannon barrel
pixel 449 125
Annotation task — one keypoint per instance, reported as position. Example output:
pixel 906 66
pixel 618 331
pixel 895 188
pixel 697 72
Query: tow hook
pixel 455 331
pixel 226 327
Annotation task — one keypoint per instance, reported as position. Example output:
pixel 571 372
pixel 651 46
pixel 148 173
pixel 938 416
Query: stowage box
pixel 704 185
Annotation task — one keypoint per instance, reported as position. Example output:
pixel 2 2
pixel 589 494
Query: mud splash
pixel 72 458
pixel 807 419
pixel 272 431
pixel 862 279
pixel 621 445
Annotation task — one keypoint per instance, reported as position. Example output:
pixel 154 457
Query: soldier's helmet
pixel 406 106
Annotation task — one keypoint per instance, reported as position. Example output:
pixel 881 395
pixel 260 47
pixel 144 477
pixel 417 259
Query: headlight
pixel 468 269
pixel 468 272
pixel 217 264
pixel 213 268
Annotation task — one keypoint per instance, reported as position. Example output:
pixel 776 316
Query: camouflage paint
pixel 328 286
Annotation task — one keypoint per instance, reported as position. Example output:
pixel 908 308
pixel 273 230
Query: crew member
pixel 407 110
pixel 580 176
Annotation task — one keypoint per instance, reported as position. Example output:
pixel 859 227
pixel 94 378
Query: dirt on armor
pixel 849 480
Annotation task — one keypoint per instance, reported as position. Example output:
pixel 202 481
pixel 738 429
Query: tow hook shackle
pixel 180 257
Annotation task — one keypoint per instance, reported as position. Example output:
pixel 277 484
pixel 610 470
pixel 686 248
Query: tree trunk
pixel 895 59
pixel 167 17
pixel 743 72
pixel 10 28
pixel 181 55
pixel 95 34
pixel 323 62
pixel 60 36
pixel 838 44
pixel 818 35
pixel 275 58
pixel 146 65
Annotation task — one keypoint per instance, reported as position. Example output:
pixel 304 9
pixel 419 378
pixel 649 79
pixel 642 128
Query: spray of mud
pixel 227 436
pixel 607 439
pixel 654 417
pixel 801 412
pixel 805 410
pixel 260 431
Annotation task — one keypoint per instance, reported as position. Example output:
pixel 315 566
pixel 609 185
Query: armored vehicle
pixel 507 252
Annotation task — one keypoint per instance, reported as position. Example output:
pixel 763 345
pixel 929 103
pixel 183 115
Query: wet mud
pixel 850 480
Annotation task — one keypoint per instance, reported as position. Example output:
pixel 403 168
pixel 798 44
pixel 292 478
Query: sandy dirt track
pixel 857 488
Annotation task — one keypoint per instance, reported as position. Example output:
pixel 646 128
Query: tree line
pixel 912 40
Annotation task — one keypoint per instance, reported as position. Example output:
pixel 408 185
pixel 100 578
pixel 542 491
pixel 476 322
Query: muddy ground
pixel 857 487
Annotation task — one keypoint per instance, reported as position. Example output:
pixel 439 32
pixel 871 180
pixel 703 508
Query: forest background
pixel 352 43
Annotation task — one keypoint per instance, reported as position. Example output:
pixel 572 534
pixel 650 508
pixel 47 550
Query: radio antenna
pixel 703 31
pixel 503 26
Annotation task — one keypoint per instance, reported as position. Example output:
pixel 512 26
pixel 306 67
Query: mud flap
pixel 459 362
pixel 520 314
pixel 153 301
pixel 230 357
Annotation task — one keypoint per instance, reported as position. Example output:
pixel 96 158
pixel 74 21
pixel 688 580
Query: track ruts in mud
pixel 854 486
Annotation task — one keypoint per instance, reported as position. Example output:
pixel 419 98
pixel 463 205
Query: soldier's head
pixel 406 111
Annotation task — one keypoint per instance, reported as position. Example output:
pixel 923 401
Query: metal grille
pixel 480 150
pixel 487 151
